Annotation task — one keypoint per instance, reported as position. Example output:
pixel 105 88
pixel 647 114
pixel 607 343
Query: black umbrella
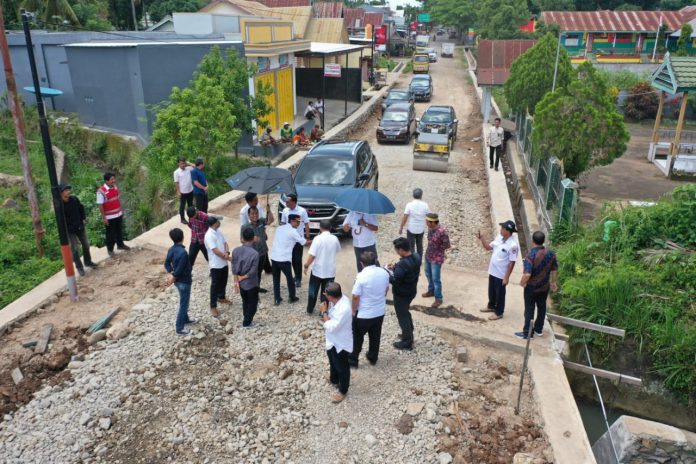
pixel 262 180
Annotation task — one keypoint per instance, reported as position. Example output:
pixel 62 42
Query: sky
pixel 394 3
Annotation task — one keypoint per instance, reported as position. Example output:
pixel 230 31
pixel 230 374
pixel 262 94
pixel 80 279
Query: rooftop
pixel 616 21
pixel 676 74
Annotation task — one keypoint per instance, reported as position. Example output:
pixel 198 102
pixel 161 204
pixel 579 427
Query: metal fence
pixel 555 196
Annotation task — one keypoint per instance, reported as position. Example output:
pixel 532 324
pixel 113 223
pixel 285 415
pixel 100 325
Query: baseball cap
pixel 63 187
pixel 509 226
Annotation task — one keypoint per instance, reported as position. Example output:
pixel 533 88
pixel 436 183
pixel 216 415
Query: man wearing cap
pixel 200 186
pixel 198 223
pixel 112 214
pixel 285 240
pixel 218 260
pixel 286 133
pixel 303 229
pixel 503 258
pixel 75 220
pixel 363 228
pixel 438 244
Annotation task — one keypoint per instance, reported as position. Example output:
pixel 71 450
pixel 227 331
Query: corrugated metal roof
pixel 327 30
pixel 327 10
pixel 299 15
pixel 373 18
pixel 284 3
pixel 352 15
pixel 252 8
pixel 496 57
pixel 684 69
pixel 614 21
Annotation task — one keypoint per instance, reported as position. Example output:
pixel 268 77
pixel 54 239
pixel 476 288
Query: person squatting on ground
pixel 257 225
pixel 438 244
pixel 404 280
pixel 179 268
pixel 368 302
pixel 303 229
pixel 75 220
pixel 322 259
pixel 245 268
pixel 198 223
pixel 285 240
pixel 336 312
pixel 494 142
pixel 414 216
pixel 219 257
pixel 363 228
pixel 200 186
pixel 112 213
pixel 503 258
pixel 540 273
pixel 184 187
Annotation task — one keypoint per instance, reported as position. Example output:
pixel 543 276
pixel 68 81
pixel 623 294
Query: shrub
pixel 642 102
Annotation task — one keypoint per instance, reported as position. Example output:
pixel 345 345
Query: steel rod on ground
pixel 18 120
pixel 51 165
pixel 587 325
pixel 524 368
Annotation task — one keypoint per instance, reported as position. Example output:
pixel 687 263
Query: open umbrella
pixel 262 180
pixel 366 201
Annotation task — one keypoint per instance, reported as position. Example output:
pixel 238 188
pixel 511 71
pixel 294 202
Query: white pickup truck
pixel 448 49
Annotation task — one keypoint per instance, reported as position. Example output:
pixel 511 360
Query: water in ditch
pixel 593 420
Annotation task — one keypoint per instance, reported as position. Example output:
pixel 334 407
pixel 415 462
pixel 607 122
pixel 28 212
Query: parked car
pixel 328 169
pixel 396 96
pixel 421 87
pixel 439 120
pixel 398 123
pixel 432 55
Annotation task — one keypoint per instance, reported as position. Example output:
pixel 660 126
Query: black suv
pixel 439 119
pixel 330 168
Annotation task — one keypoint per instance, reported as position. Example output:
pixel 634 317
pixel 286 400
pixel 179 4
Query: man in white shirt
pixel 293 208
pixel 414 215
pixel 251 200
pixel 338 326
pixel 364 229
pixel 322 259
pixel 284 241
pixel 218 260
pixel 369 299
pixel 184 187
pixel 494 142
pixel 505 249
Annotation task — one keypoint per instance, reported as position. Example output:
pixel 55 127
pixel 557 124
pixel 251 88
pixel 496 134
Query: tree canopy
pixel 579 123
pixel 531 74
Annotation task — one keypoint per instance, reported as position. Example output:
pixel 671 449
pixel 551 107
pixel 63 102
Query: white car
pixel 432 54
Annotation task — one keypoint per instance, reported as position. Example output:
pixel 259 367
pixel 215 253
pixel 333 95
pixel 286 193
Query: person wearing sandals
pixel 178 266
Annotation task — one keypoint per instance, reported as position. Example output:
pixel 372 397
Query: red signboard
pixel 381 35
pixel 414 25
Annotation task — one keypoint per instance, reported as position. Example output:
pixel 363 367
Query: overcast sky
pixel 394 3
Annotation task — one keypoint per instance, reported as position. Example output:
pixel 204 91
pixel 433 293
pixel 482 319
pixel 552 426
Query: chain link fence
pixel 555 196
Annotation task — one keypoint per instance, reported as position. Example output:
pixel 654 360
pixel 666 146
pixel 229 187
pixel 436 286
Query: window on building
pixel 283 60
pixel 572 40
pixel 263 63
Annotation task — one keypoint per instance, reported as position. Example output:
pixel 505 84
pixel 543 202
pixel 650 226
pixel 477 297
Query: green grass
pixel 408 68
pixel 499 96
pixel 636 282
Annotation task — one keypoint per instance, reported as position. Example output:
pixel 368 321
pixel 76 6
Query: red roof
pixel 327 10
pixel 373 18
pixel 351 15
pixel 614 21
pixel 496 57
pixel 284 3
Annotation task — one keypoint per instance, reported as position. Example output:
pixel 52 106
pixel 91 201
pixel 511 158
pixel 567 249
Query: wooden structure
pixel 676 75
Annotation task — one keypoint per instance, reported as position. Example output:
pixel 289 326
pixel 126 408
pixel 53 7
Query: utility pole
pixel 51 165
pixel 18 119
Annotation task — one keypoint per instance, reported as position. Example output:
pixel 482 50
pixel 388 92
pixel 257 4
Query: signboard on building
pixel 332 70
pixel 381 35
pixel 381 48
pixel 424 18
pixel 414 25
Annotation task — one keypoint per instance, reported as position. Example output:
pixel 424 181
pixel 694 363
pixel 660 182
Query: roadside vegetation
pixel 637 272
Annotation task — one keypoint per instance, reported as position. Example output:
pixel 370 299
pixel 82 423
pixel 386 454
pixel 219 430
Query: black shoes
pixel 123 247
pixel 81 271
pixel 277 302
pixel 353 363
pixel 263 290
pixel 111 253
pixel 294 299
pixel 403 346
pixel 91 264
pixel 298 283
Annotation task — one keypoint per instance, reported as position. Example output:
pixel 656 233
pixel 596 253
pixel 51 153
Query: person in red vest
pixel 112 213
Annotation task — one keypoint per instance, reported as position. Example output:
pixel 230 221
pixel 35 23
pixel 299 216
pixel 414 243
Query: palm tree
pixel 49 10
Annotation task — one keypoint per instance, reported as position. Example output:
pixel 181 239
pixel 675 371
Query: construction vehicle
pixel 431 152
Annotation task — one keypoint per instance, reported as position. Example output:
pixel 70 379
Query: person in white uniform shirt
pixel 184 187
pixel 252 200
pixel 218 259
pixel 494 142
pixel 322 259
pixel 293 208
pixel 364 229
pixel 414 215
pixel 337 315
pixel 503 258
pixel 369 299
pixel 285 239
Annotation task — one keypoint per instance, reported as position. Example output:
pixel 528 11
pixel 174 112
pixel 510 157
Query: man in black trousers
pixel 404 280
pixel 75 219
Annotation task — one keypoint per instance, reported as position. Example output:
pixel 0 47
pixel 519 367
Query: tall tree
pixel 552 5
pixel 532 73
pixel 579 123
pixel 456 13
pixel 684 40
pixel 501 19
pixel 51 11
